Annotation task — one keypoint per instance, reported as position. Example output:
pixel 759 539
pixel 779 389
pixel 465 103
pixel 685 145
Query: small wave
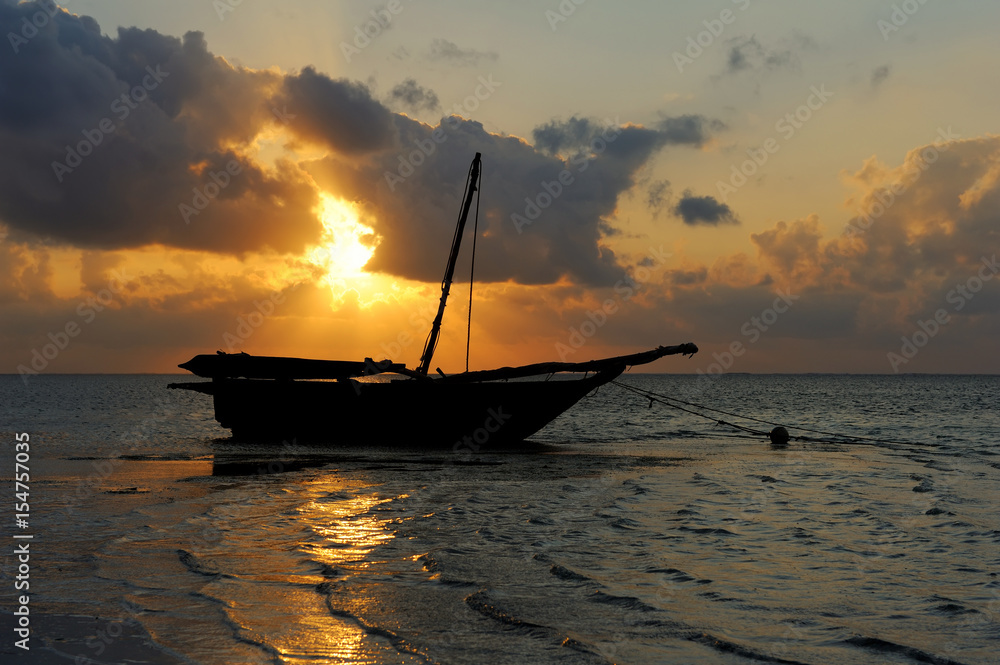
pixel 326 570
pixel 128 490
pixel 541 521
pixel 624 523
pixel 636 488
pixel 623 602
pixel 717 597
pixel 676 575
pixel 577 645
pixel 196 565
pixel 881 646
pixel 398 643
pixel 726 646
pixel 953 609
pixel 567 574
pixel 429 562
pixel 451 582
pixel 715 530
pixel 481 602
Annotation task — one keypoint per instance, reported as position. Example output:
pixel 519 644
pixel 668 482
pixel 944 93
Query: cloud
pixel 414 97
pixel 923 240
pixel 693 130
pixel 179 164
pixel 747 54
pixel 107 137
pixel 919 232
pixel 25 275
pixel 657 196
pixel 576 135
pixel 879 75
pixel 445 51
pixel 341 114
pixel 687 277
pixel 706 210
pixel 536 227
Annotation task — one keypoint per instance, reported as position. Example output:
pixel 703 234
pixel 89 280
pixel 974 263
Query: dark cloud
pixel 556 136
pixel 706 210
pixel 102 140
pixel 340 113
pixel 187 140
pixel 443 50
pixel 687 277
pixel 543 214
pixel 657 196
pixel 942 223
pixel 910 251
pixel 747 54
pixel 578 135
pixel 411 95
pixel 688 129
pixel 879 75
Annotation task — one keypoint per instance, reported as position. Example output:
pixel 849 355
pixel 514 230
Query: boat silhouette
pixel 266 398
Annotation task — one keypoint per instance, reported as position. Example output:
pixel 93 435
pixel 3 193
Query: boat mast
pixel 425 359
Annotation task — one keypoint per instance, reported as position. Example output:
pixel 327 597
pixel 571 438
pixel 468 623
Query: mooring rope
pixel 666 400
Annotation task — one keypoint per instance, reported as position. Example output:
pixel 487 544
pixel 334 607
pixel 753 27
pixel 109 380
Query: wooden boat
pixel 262 398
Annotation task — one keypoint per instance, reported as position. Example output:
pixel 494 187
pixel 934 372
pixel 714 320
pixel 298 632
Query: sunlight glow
pixel 346 247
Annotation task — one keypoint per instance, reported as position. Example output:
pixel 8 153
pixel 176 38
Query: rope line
pixel 669 401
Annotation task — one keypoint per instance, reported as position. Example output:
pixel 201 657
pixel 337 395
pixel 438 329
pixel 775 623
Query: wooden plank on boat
pixel 235 365
pixel 603 364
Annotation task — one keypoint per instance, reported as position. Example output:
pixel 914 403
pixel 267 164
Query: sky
pixel 792 186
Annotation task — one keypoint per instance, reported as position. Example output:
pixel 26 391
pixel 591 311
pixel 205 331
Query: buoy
pixel 779 436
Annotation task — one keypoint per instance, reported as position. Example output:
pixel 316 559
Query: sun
pixel 345 248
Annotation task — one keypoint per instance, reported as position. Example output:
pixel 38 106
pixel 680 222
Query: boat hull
pixel 430 413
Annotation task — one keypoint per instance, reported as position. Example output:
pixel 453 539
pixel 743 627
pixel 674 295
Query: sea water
pixel 632 532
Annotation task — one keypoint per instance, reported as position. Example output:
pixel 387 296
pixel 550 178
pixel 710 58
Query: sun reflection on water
pixel 341 530
pixel 350 530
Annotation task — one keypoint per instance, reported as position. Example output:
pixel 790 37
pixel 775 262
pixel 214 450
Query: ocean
pixel 631 532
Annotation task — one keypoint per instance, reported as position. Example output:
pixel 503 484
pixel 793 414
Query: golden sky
pixel 794 187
